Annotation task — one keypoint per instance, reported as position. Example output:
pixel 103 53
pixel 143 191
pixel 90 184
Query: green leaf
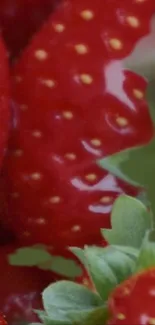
pixel 79 253
pixel 40 257
pixel 136 166
pixel 142 58
pixel 48 321
pixel 147 253
pixel 150 96
pixel 40 313
pixel 108 267
pixel 98 316
pixel 65 267
pixel 131 251
pixel 65 298
pixel 130 220
pixel 29 256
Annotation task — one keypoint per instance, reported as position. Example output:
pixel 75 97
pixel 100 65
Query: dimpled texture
pixel 74 103
pixel 133 301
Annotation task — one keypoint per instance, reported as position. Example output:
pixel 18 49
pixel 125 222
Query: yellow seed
pixel 91 177
pixel 37 134
pixel 23 107
pixel 15 195
pixel 41 55
pixel 86 282
pixel 138 93
pixel 26 234
pixel 126 291
pixel 67 115
pixel 86 78
pixel 122 121
pixel 133 21
pixel 81 49
pixel 41 221
pixel 18 153
pixel 96 142
pixel 116 44
pixel 70 156
pixel 59 28
pixel 76 228
pixel 87 14
pixel 121 316
pixel 18 78
pixel 54 199
pixel 106 199
pixel 36 176
pixel 49 83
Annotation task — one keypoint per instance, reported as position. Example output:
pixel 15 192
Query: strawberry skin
pixel 75 103
pixel 20 19
pixel 133 301
pixel 2 320
pixel 20 288
pixel 4 100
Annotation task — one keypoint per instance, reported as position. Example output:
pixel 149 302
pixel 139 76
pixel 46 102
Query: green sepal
pixel 130 220
pixel 79 253
pixel 40 257
pixel 141 60
pixel 66 301
pixel 150 97
pixel 136 166
pixel 34 324
pixel 146 257
pixel 29 256
pixel 108 267
pixel 98 316
pixel 48 321
pixel 65 267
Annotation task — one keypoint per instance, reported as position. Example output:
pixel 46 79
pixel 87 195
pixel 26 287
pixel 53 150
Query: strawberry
pixel 20 288
pixel 26 271
pixel 71 110
pixel 2 320
pixel 4 100
pixel 133 301
pixel 20 19
pixel 123 275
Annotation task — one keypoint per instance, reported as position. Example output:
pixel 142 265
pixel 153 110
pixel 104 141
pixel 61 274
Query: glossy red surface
pixel 2 320
pixel 133 302
pixel 74 102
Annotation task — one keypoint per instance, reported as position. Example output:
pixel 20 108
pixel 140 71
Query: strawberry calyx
pixel 131 250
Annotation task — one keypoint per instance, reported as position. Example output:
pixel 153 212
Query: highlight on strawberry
pixel 123 275
pixel 74 102
pixel 2 320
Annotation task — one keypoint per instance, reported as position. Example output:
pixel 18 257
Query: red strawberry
pixel 133 301
pixel 2 320
pixel 75 103
pixel 20 19
pixel 4 100
pixel 20 288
